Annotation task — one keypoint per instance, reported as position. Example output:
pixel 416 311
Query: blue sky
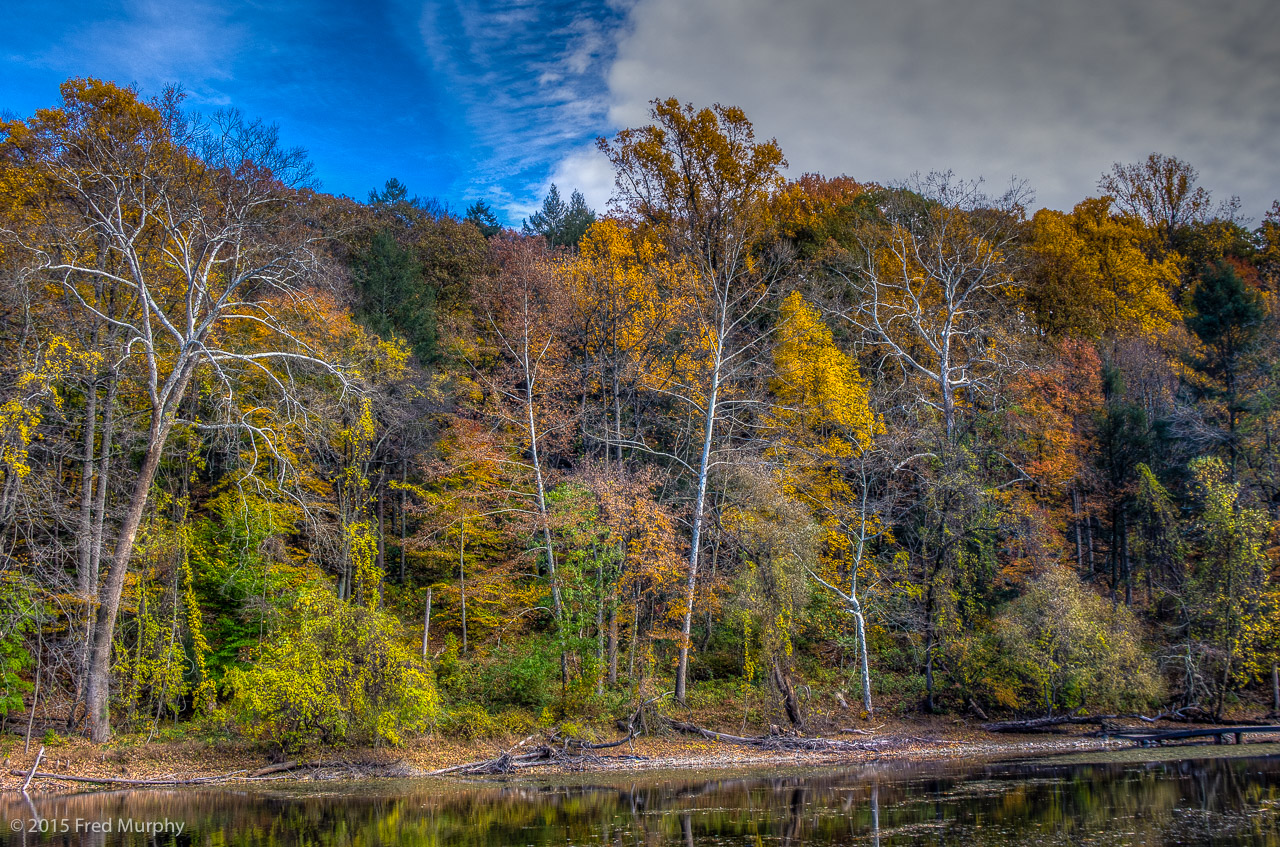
pixel 458 100
pixel 463 100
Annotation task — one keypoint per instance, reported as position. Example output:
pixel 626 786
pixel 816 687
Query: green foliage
pixel 18 613
pixel 394 296
pixel 563 225
pixel 1069 649
pixel 481 215
pixel 339 675
pixel 1228 313
pixel 242 574
pixel 523 675
pixel 1234 595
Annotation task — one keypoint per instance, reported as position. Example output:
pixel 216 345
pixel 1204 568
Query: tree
pixel 1072 650
pixel 194 220
pixel 822 434
pixel 395 297
pixel 1235 592
pixel 562 225
pixel 1161 192
pixel 523 309
pixel 481 215
pixel 625 299
pixel 1092 278
pixel 1228 316
pixel 701 182
pixel 934 291
pixel 931 283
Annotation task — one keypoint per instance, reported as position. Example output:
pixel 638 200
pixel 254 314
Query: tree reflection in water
pixel 1224 801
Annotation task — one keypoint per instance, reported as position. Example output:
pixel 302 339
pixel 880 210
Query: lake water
pixel 1132 798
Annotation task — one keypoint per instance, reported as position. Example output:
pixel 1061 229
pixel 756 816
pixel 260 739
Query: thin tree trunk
pixel 617 418
pixel 635 637
pixel 600 672
pixel 462 581
pixel 1075 510
pixel 556 604
pixel 613 638
pixel 1088 532
pixel 1275 689
pixel 866 666
pixel 790 703
pixel 382 547
pixel 84 561
pixel 104 477
pixel 35 695
pixel 403 472
pixel 1124 558
pixel 426 625
pixel 1115 557
pixel 928 677
pixel 699 506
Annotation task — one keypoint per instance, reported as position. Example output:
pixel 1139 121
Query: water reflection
pixel 1198 801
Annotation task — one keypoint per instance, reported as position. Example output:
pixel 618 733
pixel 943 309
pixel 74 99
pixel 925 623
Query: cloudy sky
pixel 484 99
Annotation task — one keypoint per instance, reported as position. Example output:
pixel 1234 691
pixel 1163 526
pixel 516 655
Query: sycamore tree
pixel 700 181
pixel 931 288
pixel 522 308
pixel 190 224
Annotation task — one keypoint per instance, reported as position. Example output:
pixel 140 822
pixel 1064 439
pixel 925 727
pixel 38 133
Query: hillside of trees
pixel 295 467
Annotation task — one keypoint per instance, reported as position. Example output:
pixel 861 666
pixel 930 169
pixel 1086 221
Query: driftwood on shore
pixel 571 753
pixel 283 770
pixel 1186 714
pixel 777 741
pixel 108 780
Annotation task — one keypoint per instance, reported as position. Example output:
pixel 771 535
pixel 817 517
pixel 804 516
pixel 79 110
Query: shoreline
pixel 242 764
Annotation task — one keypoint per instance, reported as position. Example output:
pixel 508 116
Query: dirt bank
pixel 241 762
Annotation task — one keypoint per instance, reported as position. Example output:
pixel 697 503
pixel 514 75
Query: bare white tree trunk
pixel 699 509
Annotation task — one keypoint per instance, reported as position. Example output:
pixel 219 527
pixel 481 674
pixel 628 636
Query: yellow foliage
pixel 817 382
pixel 1094 277
pixel 341 676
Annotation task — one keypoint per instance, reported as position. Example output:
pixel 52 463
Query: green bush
pixel 1068 648
pixel 339 675
pixel 17 614
pixel 526 676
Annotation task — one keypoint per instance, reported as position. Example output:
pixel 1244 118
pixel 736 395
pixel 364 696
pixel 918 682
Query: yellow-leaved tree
pixel 699 180
pixel 823 428
pixel 1093 278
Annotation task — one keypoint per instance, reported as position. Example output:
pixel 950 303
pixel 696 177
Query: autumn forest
pixel 285 466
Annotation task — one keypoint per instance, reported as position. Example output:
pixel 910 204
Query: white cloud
pixel 586 170
pixel 530 80
pixel 1053 93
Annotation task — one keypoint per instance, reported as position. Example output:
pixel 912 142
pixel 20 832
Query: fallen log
pixel 1037 724
pixel 540 756
pixel 32 772
pixel 776 742
pixel 107 780
pixel 1188 714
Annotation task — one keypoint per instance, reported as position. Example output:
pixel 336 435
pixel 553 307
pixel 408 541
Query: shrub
pixel 339 675
pixel 1069 648
pixel 469 721
pixel 525 676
